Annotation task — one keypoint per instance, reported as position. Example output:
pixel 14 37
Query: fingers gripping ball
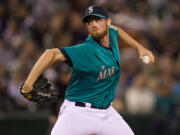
pixel 146 59
pixel 41 92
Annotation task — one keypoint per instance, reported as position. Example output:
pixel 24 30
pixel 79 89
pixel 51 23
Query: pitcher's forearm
pixel 128 39
pixel 41 65
pixel 46 60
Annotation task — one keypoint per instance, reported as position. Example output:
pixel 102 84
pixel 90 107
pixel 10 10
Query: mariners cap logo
pixel 90 10
pixel 95 10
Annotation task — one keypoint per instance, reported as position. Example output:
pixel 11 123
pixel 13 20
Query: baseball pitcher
pixel 95 64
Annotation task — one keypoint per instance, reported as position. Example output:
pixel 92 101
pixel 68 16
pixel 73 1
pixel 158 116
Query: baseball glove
pixel 41 92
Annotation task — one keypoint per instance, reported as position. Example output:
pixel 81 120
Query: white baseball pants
pixel 75 120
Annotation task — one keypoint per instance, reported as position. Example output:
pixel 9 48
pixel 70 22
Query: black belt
pixel 81 104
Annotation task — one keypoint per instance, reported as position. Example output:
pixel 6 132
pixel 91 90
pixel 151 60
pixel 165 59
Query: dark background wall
pixel 37 124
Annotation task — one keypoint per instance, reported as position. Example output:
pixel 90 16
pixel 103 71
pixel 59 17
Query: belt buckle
pixel 88 105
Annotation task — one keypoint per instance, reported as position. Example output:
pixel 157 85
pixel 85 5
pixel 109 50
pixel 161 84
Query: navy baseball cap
pixel 98 11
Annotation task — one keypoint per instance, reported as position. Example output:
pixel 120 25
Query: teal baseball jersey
pixel 95 71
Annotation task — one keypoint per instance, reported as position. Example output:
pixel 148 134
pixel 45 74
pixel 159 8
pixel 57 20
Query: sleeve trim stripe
pixel 113 27
pixel 68 61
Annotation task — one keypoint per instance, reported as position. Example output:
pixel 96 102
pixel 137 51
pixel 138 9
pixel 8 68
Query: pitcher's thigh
pixel 61 127
pixel 74 123
pixel 115 125
pixel 119 127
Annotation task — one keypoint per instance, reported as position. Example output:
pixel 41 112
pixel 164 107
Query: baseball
pixel 146 59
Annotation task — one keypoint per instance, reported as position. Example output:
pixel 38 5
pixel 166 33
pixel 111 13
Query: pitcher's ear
pixel 108 21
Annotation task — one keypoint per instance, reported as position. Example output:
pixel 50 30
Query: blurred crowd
pixel 28 27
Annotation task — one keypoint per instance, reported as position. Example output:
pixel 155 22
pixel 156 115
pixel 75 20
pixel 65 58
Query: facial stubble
pixel 98 36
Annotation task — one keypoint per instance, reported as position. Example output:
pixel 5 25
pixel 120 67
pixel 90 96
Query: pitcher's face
pixel 97 27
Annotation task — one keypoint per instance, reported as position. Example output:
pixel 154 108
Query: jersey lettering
pixel 106 73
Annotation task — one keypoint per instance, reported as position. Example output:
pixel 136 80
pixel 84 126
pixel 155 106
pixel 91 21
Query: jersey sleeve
pixel 114 31
pixel 76 55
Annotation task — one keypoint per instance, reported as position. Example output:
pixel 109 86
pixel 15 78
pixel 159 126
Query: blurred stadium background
pixel 148 96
